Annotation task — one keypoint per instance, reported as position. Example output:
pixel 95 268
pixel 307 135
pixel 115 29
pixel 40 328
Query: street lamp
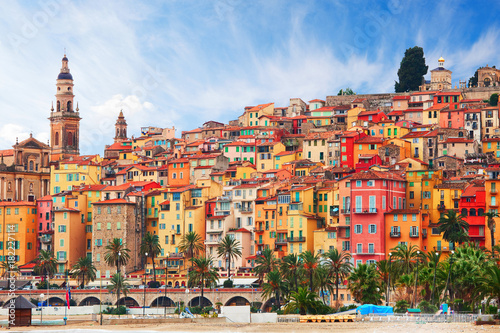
pixel 166 283
pixel 41 308
pixel 434 283
pixel 187 297
pixel 389 281
pixel 145 285
pixel 416 282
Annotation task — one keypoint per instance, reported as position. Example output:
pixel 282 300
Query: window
pixel 358 229
pixel 372 228
pixel 359 248
pixel 371 248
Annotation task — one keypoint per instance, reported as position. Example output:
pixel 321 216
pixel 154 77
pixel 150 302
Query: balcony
pixel 213 241
pixel 296 239
pixel 413 234
pixel 246 209
pixel 424 233
pixel 493 205
pixel 493 190
pixel 441 207
pixel 295 206
pixel 364 210
pixel 395 234
pixel 176 255
pixel 346 211
pixel 282 241
pixel 334 211
pixel 46 239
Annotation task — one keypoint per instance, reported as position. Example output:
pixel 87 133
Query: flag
pixel 68 295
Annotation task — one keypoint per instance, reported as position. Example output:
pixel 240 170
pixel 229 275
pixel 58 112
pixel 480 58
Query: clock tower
pixel 64 119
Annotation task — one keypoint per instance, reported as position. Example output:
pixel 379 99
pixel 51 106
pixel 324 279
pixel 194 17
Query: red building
pixel 472 206
pixel 372 193
pixel 44 223
pixel 347 141
pixel 297 124
pixel 451 98
pixel 372 116
pixel 366 161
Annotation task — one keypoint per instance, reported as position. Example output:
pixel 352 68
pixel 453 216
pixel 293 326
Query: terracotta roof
pixel 7 152
pixel 399 98
pixel 404 211
pixel 316 100
pixel 284 153
pixel 370 139
pixel 45 198
pixel 472 189
pixel 372 174
pixel 17 203
pixel 113 201
pixel 459 140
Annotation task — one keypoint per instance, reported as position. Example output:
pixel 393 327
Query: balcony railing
pixel 395 234
pixel 46 239
pixel 424 233
pixel 246 209
pixel 346 211
pixel 295 206
pixel 413 234
pixel 493 191
pixel 364 210
pixel 441 207
pixel 296 239
pixel 280 241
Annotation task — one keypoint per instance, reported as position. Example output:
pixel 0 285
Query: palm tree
pixel 489 284
pixel 84 269
pixel 290 266
pixel 265 263
pixel 8 267
pixel 191 244
pixel 202 274
pixel 491 215
pixel 338 265
pixel 45 263
pixel 364 285
pixel 116 254
pixel 405 256
pixel 150 245
pixel 311 262
pixel 273 285
pixel 119 285
pixel 303 300
pixel 454 228
pixel 229 248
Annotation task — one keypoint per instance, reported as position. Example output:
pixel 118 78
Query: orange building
pixel 178 172
pixel 404 226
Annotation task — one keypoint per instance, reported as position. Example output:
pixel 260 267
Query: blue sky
pixel 181 63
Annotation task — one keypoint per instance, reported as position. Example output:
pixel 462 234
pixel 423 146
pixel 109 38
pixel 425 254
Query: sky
pixel 181 63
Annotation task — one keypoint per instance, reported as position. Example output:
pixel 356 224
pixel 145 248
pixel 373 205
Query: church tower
pixel 120 128
pixel 65 119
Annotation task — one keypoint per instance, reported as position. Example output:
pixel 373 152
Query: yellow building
pixel 392 131
pixel 75 172
pixel 265 154
pixel 302 220
pixel 327 203
pixel 492 186
pixel 491 145
pixel 352 116
pixel 252 114
pixel 404 226
pixel 286 157
pixel 19 231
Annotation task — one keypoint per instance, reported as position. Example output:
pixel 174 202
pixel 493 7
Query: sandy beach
pixel 356 327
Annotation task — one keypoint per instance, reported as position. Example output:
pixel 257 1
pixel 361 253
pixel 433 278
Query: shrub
pixel 115 311
pixel 401 306
pixel 154 284
pixel 347 308
pixel 228 283
pixel 427 307
pixel 491 309
pixel 493 101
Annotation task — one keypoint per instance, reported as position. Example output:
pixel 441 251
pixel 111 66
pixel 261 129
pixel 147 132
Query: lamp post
pixel 389 281
pixel 166 283
pixel 187 297
pixel 145 285
pixel 41 308
pixel 434 283
pixel 416 282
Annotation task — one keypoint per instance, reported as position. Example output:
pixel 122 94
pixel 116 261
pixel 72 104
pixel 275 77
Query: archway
pixel 91 300
pixel 237 301
pixel 163 301
pixel 268 305
pixel 200 301
pixel 56 301
pixel 129 302
pixel 487 82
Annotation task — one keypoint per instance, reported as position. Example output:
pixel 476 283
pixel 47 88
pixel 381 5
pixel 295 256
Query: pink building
pixel 451 118
pixel 372 194
pixel 240 151
pixel 44 223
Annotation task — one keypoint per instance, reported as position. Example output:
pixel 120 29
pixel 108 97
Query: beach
pixel 356 327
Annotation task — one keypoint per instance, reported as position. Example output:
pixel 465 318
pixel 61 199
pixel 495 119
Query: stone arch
pixel 195 301
pixel 472 212
pixel 480 212
pixel 68 106
pixel 464 212
pixel 268 305
pixel 56 301
pixel 237 301
pixel 91 300
pixel 128 301
pixel 162 301
pixel 487 81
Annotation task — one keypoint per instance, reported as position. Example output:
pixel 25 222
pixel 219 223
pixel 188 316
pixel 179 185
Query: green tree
pixel 202 273
pixel 405 256
pixel 412 70
pixel 84 269
pixel 117 254
pixel 311 262
pixel 364 285
pixel 346 91
pixel 303 301
pixel 274 285
pixel 265 263
pixel 151 245
pixel 290 266
pixel 474 79
pixel 8 266
pixel 191 244
pixel 119 285
pixel 493 99
pixel 45 263
pixel 229 248
pixel 454 228
pixel 338 266
pixel 489 284
pixel 490 222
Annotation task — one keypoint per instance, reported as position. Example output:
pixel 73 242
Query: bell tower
pixel 120 128
pixel 64 119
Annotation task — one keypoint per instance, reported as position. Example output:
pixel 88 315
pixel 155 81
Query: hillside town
pixel 357 173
